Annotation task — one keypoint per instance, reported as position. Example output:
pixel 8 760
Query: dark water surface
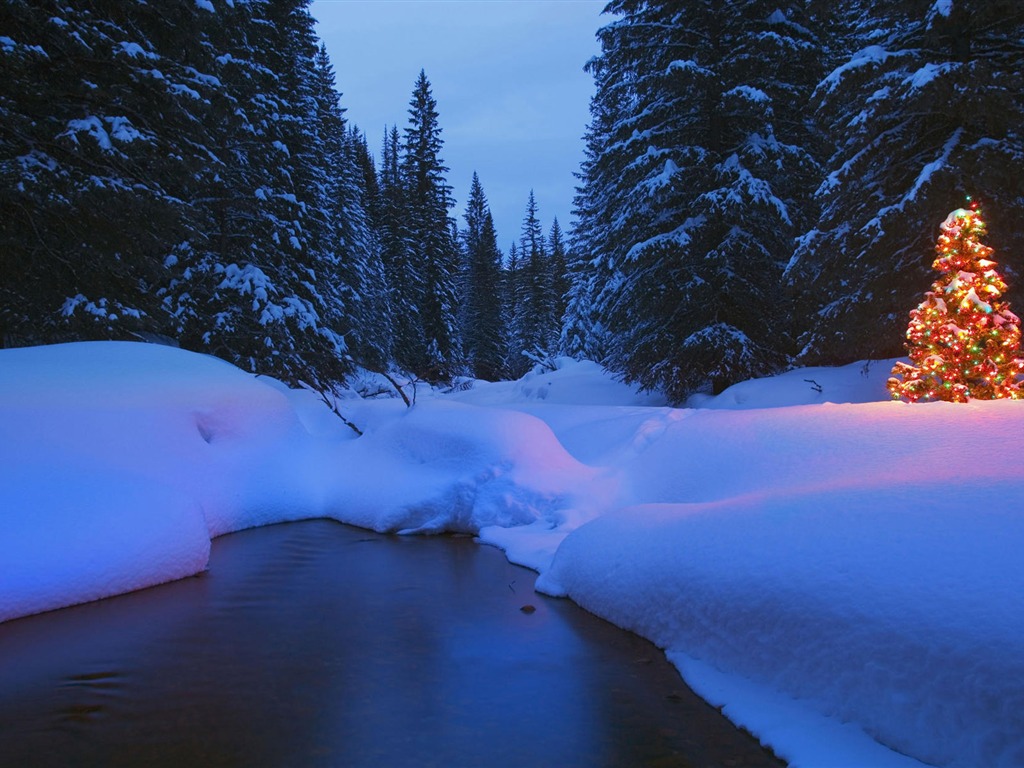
pixel 317 644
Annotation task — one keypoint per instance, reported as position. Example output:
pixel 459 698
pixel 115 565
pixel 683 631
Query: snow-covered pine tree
pixel 588 268
pixel 260 289
pixel 403 276
pixel 374 339
pixel 513 299
pixel 925 104
pixel 101 129
pixel 483 330
pixel 686 201
pixel 535 325
pixel 558 259
pixel 353 274
pixel 429 239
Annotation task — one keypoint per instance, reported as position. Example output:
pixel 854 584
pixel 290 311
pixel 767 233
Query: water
pixel 317 644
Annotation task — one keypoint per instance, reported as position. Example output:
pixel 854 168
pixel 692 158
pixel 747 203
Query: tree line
pixel 761 187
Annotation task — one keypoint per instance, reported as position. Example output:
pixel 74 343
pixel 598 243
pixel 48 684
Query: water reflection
pixel 315 644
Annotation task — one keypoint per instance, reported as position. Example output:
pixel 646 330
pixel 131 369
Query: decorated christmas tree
pixel 963 342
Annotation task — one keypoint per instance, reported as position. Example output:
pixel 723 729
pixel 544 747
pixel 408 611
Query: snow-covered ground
pixel 840 572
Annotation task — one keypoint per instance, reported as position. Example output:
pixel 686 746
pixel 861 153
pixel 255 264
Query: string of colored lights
pixel 963 342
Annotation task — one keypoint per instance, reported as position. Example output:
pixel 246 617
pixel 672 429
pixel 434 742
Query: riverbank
pixel 320 644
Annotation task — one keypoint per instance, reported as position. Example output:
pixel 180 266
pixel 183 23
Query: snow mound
pixel 72 535
pixel 573 382
pixel 862 382
pixel 842 578
pixel 447 466
pixel 843 557
pixel 123 459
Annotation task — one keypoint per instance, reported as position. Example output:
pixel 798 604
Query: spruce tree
pixel 513 303
pixel 427 232
pixel 483 330
pixel 403 276
pixel 374 337
pixel 262 291
pixel 558 269
pixel 691 190
pixel 536 310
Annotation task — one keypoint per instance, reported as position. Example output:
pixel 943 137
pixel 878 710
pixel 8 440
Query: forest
pixel 762 187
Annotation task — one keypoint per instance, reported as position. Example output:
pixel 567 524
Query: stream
pixel 319 644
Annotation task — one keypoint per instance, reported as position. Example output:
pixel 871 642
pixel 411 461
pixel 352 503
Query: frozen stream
pixel 318 644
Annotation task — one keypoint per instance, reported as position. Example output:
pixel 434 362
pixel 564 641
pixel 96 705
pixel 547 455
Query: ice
pixel 839 572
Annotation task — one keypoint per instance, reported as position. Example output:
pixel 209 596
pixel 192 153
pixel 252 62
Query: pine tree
pixel 428 237
pixel 264 285
pixel 375 335
pixel 926 104
pixel 483 330
pixel 403 277
pixel 691 190
pixel 98 114
pixel 536 310
pixel 352 267
pixel 514 301
pixel 558 268
pixel 962 340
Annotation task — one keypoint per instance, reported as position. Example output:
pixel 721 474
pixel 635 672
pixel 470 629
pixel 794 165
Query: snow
pixel 840 573
pixel 748 93
pixel 871 55
pixel 928 73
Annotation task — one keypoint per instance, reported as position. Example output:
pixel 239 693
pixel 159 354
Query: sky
pixel 512 97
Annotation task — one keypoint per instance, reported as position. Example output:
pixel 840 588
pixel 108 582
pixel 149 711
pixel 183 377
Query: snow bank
pixel 122 460
pixel 573 382
pixel 446 466
pixel 861 560
pixel 862 382
pixel 844 579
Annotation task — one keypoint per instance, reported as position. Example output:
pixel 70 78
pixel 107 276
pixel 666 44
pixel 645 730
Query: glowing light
pixel 956 354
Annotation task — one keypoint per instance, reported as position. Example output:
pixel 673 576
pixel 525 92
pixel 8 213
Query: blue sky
pixel 508 79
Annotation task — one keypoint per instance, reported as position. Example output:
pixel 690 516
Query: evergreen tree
pixel 351 266
pixel 558 268
pixel 483 330
pixel 514 294
pixel 963 341
pixel 267 280
pixel 374 330
pixel 98 114
pixel 927 103
pixel 428 237
pixel 691 188
pixel 403 276
pixel 536 310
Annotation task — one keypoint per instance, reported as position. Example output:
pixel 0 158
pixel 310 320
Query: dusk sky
pixel 508 78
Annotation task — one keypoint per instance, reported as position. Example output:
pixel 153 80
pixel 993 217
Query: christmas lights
pixel 963 342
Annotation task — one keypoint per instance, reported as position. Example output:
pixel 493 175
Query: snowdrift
pixel 122 460
pixel 840 573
